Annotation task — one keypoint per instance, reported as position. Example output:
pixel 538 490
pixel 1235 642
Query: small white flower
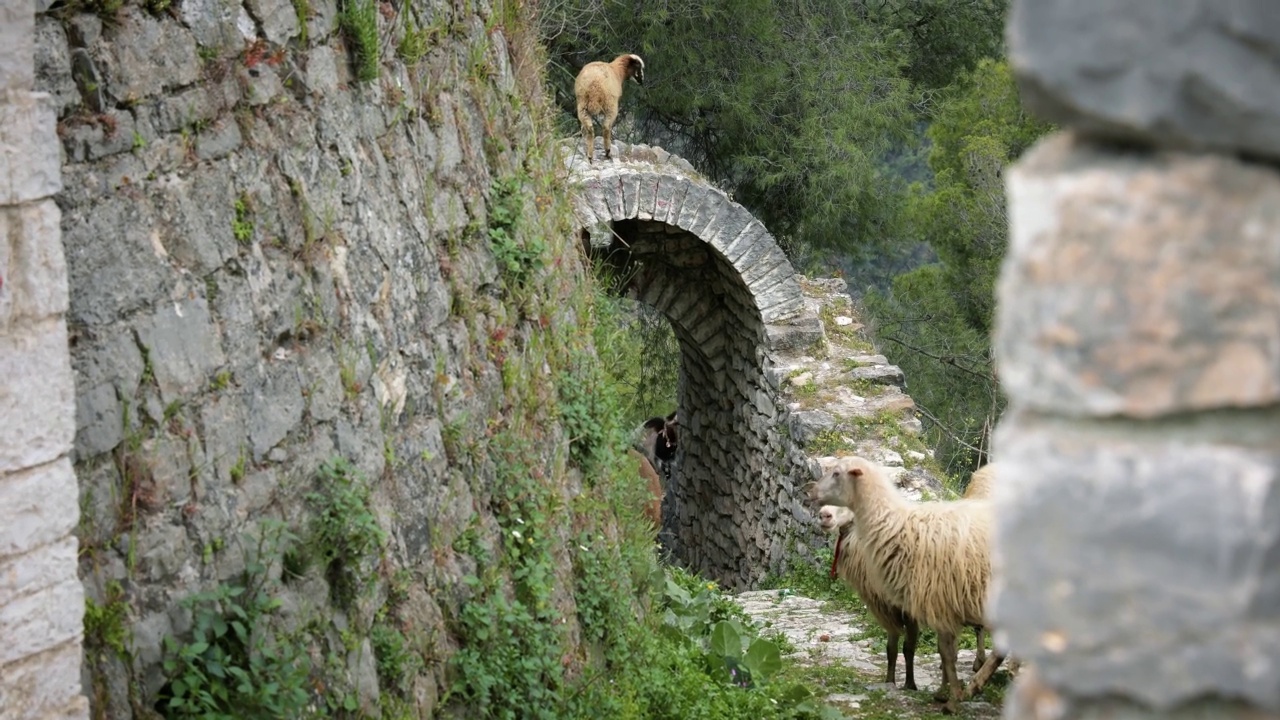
pixel 516 533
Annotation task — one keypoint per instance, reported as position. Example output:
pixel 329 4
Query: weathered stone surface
pixel 321 70
pixel 33 272
pixel 182 346
pixel 1140 564
pixel 1189 73
pixel 113 262
pixel 53 64
pixel 37 400
pixel 47 617
pixel 277 18
pixel 40 507
pixel 29 161
pixel 796 335
pixel 17 30
pixel 99 420
pixel 1148 284
pixel 198 214
pixel 275 407
pixel 213 23
pixel 45 686
pixel 146 56
pixel 882 374
pixel 88 80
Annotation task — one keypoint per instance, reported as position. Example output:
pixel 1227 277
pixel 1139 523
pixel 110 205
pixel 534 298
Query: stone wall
pixel 1138 539
pixel 273 264
pixel 41 600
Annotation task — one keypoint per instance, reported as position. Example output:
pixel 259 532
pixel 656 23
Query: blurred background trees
pixel 870 136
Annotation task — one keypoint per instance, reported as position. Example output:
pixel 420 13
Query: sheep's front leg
pixel 951 688
pixel 909 653
pixel 981 657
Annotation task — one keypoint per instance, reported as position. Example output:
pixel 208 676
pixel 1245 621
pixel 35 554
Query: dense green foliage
pixel 936 320
pixel 867 135
pixel 797 107
pixel 233 665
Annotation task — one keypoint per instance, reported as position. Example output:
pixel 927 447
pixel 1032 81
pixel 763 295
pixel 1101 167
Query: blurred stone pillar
pixel 1138 337
pixel 41 599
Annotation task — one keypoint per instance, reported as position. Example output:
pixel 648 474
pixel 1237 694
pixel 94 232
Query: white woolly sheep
pixel 980 482
pixel 979 487
pixel 598 88
pixel 850 565
pixel 932 559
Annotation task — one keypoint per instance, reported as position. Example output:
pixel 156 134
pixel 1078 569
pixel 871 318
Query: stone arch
pixel 732 298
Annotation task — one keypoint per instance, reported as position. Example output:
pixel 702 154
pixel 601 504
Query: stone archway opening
pixel 683 248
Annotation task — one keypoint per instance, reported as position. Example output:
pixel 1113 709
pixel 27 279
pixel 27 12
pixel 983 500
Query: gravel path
pixel 827 637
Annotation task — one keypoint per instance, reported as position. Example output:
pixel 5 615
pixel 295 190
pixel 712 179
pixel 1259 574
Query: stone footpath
pixel 806 622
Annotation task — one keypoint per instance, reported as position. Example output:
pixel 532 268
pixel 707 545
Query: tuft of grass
pixel 359 20
pixel 242 224
pixel 303 10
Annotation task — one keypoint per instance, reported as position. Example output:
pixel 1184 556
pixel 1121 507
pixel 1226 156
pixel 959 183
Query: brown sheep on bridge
pixel 598 89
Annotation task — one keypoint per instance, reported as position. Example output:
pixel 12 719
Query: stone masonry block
pixel 41 568
pixel 33 271
pixel 30 163
pixel 649 192
pixel 1140 565
pixel 279 19
pixel 670 199
pixel 17 46
pixel 1183 73
pixel 42 620
pixel 630 193
pixel 40 504
pixel 148 55
pixel 37 395
pixel 45 686
pixel 1140 284
pixel 184 347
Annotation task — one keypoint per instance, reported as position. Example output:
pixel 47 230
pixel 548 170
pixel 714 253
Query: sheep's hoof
pixel 909 685
pixel 941 695
pixel 950 707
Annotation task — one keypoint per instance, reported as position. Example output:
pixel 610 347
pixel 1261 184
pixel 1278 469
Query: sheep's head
pixel 834 516
pixel 840 478
pixel 671 429
pixel 635 68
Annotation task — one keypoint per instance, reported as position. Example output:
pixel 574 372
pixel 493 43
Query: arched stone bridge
pixel 732 298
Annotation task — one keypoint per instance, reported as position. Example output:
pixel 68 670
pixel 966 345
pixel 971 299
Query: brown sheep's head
pixel 840 479
pixel 635 68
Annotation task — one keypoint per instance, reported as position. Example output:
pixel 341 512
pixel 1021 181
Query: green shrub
pixel 234 665
pixel 345 533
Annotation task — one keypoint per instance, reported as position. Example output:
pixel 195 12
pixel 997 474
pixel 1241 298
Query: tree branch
pixel 948 431
pixel 942 359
